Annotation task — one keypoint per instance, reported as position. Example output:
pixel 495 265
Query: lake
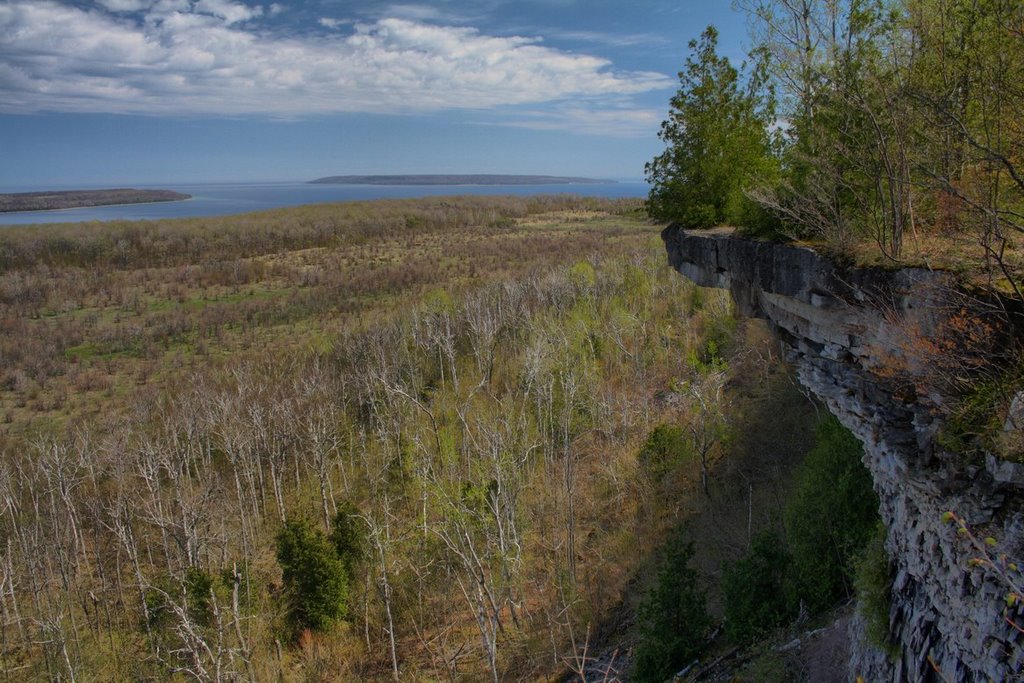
pixel 220 199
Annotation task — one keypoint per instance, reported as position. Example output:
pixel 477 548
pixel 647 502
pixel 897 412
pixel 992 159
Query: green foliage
pixel 899 115
pixel 769 667
pixel 754 589
pixel 873 581
pixel 666 448
pixel 315 580
pixel 476 498
pixel 717 143
pixel 707 358
pixel 157 606
pixel 438 301
pixel 198 586
pixel 348 536
pixel 673 620
pixel 829 517
pixel 193 588
pixel 582 275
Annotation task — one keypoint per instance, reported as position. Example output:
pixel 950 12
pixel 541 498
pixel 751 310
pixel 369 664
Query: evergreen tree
pixel 718 143
pixel 315 580
pixel 673 620
pixel 348 536
pixel 664 450
pixel 753 589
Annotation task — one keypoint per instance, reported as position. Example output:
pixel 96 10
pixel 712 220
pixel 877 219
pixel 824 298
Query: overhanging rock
pixel 854 335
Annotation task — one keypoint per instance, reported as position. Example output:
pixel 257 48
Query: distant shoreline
pixel 454 180
pixel 186 198
pixel 210 199
pixel 19 202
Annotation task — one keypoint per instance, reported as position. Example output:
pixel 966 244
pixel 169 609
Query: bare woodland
pixel 480 438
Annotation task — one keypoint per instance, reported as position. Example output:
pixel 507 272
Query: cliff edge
pixel 854 336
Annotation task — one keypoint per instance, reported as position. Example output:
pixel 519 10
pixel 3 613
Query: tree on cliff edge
pixel 718 141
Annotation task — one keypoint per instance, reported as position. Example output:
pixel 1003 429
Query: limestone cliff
pixel 849 333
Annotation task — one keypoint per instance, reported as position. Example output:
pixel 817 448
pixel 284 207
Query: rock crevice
pixel 849 333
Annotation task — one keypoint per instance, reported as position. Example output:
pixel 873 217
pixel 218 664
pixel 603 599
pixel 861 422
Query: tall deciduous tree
pixel 718 140
pixel 967 82
pixel 840 66
pixel 898 114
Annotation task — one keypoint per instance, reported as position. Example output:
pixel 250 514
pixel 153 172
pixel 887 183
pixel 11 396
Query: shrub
pixel 673 619
pixel 754 589
pixel 582 275
pixel 873 581
pixel 665 449
pixel 315 580
pixel 974 426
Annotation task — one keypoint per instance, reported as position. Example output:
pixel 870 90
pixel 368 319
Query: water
pixel 222 199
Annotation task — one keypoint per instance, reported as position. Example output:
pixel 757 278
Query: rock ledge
pixel 846 330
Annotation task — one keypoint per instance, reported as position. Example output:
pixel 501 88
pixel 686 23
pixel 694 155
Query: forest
pixel 288 445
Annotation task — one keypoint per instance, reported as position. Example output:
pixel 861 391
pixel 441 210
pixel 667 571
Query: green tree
pixel 830 517
pixel 315 580
pixel 754 589
pixel 718 142
pixel 673 619
pixel 348 536
pixel 846 164
pixel 874 590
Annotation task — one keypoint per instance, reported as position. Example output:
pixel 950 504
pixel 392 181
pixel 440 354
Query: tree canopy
pixel 860 121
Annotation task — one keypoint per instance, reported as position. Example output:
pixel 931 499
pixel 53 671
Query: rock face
pixel 851 334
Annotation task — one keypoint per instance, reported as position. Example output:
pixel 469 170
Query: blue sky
pixel 103 92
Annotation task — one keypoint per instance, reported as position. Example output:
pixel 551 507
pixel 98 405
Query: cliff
pixel 854 336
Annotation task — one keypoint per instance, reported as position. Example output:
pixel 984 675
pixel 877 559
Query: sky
pixel 134 92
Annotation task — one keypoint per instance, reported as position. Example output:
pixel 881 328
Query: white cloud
pixel 162 8
pixel 230 12
pixel 275 9
pixel 330 23
pixel 203 60
pixel 614 39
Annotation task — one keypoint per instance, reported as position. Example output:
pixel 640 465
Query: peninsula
pixel 74 199
pixel 457 180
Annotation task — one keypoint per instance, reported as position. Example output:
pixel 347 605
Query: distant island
pixel 76 199
pixel 457 180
